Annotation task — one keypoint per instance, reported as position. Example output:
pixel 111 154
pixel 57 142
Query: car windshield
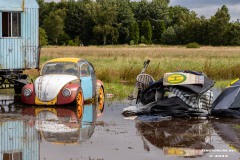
pixel 60 68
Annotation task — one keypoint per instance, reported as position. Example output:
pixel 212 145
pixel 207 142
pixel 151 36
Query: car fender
pixel 31 98
pixel 100 84
pixel 66 100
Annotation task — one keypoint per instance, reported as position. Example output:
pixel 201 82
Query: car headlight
pixel 66 92
pixel 27 92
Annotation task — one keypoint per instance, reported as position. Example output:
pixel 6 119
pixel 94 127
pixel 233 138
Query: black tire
pixel 17 89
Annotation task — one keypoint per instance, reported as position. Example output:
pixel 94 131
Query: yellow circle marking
pixel 176 78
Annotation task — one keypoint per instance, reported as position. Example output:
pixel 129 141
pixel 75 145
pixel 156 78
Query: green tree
pixel 42 37
pixel 158 9
pixel 158 12
pixel 142 11
pixel 125 18
pixel 63 39
pixel 54 25
pixel 178 16
pixel 233 35
pixel 219 26
pixel 146 31
pixel 104 31
pixel 169 36
pixel 45 9
pixel 78 23
pixel 158 29
pixel 104 15
pixel 134 32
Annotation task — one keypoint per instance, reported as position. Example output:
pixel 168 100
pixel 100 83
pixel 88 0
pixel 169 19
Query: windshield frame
pixel 68 68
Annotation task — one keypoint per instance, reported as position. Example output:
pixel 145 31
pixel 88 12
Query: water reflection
pixel 60 124
pixel 18 139
pixel 22 128
pixel 177 137
pixel 229 131
pixel 7 102
pixel 192 138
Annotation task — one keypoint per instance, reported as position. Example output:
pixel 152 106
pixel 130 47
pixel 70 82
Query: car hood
pixel 47 87
pixel 49 122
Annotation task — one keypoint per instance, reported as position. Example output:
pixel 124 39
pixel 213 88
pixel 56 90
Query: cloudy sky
pixel 208 8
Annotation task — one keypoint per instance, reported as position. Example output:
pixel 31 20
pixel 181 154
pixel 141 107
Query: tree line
pixel 104 22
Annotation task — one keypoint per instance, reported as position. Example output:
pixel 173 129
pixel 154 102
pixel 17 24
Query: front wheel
pixel 100 99
pixel 79 104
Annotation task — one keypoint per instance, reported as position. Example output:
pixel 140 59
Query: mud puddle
pixel 57 134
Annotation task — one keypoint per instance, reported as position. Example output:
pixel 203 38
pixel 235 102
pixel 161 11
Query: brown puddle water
pixel 56 134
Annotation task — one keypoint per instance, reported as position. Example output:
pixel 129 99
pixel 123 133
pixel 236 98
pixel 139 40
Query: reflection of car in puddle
pixel 61 125
pixel 22 132
pixel 177 137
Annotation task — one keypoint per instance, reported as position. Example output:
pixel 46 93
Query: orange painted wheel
pixel 80 105
pixel 101 99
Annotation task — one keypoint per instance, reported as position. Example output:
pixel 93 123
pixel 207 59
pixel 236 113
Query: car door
pixel 94 79
pixel 86 80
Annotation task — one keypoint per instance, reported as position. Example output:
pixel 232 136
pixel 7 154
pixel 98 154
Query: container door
pixel 86 80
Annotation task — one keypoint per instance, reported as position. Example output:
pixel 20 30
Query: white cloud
pixel 208 8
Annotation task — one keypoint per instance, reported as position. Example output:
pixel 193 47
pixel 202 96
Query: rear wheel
pixel 17 89
pixel 101 99
pixel 79 104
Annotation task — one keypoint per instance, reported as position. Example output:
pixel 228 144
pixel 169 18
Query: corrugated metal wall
pixel 16 136
pixel 22 52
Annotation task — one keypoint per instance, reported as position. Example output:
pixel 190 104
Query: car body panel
pixel 57 74
pixel 30 99
pixel 67 100
pixel 47 87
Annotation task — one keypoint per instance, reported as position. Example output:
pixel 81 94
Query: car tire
pixel 100 99
pixel 79 104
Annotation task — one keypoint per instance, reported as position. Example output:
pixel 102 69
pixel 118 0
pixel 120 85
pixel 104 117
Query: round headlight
pixel 27 92
pixel 66 92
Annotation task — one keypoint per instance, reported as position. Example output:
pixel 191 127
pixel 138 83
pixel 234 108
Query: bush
pixel 193 45
pixel 71 43
pixel 132 42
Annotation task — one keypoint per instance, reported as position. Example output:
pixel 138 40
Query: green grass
pixel 118 66
pixel 120 91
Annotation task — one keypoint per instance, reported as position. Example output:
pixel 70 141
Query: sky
pixel 208 8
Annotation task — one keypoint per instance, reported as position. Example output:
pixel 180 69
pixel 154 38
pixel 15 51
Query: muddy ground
pixel 110 136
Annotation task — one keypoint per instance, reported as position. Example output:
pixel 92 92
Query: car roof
pixel 74 60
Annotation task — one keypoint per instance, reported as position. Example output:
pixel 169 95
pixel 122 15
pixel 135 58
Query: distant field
pixel 121 64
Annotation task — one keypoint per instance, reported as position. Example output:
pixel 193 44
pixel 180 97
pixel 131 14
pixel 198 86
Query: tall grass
pixel 123 63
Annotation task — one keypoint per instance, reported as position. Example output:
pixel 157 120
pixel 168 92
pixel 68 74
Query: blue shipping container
pixel 19 42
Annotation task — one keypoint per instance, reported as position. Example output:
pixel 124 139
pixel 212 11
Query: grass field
pixel 116 65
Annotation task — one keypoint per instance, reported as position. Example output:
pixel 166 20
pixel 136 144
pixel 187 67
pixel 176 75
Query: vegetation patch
pixel 118 66
pixel 193 45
